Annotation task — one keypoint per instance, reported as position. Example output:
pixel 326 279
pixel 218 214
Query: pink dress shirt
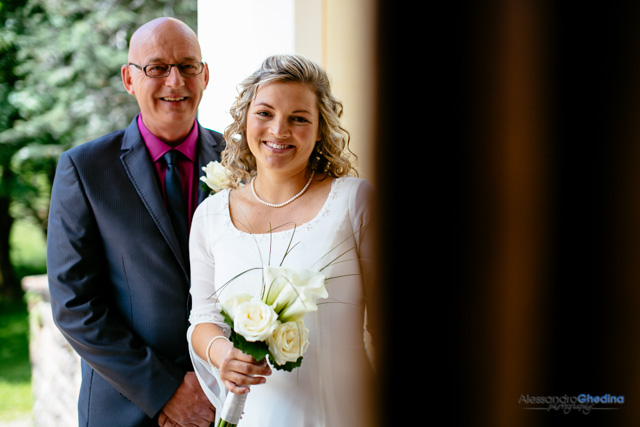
pixel 187 163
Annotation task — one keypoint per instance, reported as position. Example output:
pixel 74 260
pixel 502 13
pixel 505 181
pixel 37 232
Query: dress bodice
pixel 326 389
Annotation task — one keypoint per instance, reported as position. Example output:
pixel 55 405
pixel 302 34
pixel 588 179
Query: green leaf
pixel 256 349
pixel 289 366
pixel 227 319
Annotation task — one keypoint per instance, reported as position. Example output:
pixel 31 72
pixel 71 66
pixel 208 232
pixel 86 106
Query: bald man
pixel 117 262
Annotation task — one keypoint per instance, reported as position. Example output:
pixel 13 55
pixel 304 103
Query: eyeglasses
pixel 187 69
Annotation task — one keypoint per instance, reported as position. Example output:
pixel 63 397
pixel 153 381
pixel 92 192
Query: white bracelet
pixel 217 337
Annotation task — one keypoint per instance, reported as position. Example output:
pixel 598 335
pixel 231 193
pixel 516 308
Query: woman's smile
pixel 277 146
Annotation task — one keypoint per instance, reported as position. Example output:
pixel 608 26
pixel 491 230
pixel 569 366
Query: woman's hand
pixel 239 371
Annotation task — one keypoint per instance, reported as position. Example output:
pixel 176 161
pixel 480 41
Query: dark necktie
pixel 176 203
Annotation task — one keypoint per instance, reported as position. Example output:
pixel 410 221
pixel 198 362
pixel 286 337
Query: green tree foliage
pixel 60 86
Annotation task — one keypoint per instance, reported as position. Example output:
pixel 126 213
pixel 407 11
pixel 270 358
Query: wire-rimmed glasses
pixel 187 69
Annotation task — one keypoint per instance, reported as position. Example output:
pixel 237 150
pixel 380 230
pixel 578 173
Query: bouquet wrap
pixel 232 409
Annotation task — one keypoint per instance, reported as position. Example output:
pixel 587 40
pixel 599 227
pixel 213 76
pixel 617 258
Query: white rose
pixel 292 293
pixel 254 320
pixel 229 306
pixel 288 342
pixel 215 177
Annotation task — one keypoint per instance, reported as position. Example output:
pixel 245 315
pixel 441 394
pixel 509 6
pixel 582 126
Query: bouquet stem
pixel 232 410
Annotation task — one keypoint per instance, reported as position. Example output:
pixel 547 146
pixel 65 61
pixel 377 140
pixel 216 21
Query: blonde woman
pixel 292 200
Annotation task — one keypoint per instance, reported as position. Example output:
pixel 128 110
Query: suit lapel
pixel 142 174
pixel 208 151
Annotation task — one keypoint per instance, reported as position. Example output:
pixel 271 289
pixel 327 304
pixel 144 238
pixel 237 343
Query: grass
pixel 28 249
pixel 28 257
pixel 15 370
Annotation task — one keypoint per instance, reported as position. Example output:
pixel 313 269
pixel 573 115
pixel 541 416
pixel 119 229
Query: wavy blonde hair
pixel 331 155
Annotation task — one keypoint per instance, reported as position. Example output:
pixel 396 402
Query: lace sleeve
pixel 209 315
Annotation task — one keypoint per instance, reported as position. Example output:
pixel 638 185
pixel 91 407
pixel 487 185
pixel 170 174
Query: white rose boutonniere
pixel 216 176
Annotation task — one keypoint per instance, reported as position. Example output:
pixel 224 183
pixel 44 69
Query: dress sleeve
pixel 205 306
pixel 364 225
pixel 360 209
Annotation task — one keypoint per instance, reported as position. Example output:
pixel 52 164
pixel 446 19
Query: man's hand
pixel 188 406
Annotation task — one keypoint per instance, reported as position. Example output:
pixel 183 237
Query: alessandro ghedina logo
pixel 583 403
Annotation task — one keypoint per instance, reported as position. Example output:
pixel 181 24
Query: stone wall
pixel 55 367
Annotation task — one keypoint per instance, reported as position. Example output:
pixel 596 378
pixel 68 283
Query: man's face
pixel 168 104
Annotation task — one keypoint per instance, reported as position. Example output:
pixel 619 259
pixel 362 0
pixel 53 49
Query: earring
pixel 236 137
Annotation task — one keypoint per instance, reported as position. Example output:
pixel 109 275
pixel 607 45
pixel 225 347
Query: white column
pixel 235 37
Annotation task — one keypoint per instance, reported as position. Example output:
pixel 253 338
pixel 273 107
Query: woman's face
pixel 283 126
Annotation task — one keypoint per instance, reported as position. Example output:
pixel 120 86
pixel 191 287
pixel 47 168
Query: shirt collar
pixel 157 148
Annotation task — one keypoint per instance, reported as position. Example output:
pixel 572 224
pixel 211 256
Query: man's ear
pixel 127 81
pixel 206 75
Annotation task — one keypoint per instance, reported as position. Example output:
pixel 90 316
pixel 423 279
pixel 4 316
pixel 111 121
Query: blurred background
pixel 503 137
pixel 60 86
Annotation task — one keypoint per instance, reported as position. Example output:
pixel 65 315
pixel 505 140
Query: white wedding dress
pixel 329 388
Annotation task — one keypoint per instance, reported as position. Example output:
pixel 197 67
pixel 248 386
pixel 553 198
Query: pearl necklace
pixel 279 205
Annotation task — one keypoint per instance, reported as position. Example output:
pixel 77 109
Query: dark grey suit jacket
pixel 118 282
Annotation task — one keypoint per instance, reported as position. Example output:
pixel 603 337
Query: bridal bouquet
pixel 271 324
